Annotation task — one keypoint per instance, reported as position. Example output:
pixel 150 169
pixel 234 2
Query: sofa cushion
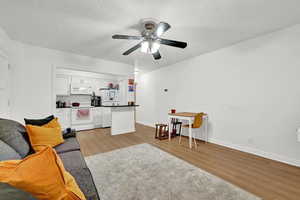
pixel 70 144
pixel 86 183
pixel 11 132
pixel 8 192
pixel 39 122
pixel 41 174
pixel 72 160
pixel 8 153
pixel 41 136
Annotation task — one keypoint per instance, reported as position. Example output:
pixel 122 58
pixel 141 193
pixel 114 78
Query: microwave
pixel 80 88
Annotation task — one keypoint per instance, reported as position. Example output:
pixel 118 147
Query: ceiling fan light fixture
pixel 149 47
pixel 154 47
pixel 150 39
pixel 145 47
pixel 160 31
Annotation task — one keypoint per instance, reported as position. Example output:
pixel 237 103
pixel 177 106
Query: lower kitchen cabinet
pixel 106 117
pixel 97 117
pixel 101 117
pixel 64 117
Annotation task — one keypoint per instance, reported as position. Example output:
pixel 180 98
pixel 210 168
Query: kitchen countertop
pixel 77 107
pixel 115 106
pixel 108 106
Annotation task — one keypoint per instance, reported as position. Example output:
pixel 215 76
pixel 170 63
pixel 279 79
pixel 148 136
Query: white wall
pixel 251 92
pixel 32 75
pixel 5 42
pixel 87 74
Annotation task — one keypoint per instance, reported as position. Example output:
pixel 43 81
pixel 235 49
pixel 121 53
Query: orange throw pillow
pixel 53 124
pixel 40 137
pixel 43 175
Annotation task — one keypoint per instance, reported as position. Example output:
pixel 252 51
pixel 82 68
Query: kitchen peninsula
pixel 122 117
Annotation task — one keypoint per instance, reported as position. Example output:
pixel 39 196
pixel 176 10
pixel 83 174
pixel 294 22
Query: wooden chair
pixel 198 121
pixel 175 129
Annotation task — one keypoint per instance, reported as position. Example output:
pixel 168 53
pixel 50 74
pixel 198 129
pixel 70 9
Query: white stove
pixel 82 117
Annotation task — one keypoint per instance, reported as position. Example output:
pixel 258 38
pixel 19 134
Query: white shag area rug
pixel 144 172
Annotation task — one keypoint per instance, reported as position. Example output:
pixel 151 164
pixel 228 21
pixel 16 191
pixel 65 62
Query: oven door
pixel 81 116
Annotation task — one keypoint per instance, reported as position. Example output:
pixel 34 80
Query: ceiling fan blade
pixel 127 37
pixel 173 43
pixel 156 55
pixel 162 27
pixel 129 51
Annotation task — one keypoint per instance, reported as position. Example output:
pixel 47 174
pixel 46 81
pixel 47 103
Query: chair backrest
pixel 198 120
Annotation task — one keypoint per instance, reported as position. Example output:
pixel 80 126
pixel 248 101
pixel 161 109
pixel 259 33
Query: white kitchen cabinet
pixel 82 80
pixel 97 117
pixel 64 117
pixel 62 85
pixel 81 85
pixel 106 117
pixel 97 84
pixel 78 88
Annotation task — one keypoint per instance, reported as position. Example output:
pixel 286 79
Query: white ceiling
pixel 85 26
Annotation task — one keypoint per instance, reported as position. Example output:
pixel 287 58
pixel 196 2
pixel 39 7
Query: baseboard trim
pixel 272 156
pixel 146 124
pixel 258 152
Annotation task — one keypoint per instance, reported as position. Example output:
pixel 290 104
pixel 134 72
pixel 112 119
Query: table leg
pixel 170 124
pixel 206 129
pixel 190 133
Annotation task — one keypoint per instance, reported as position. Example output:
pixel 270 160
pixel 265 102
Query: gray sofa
pixel 14 144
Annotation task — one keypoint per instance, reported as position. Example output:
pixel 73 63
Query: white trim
pixel 258 152
pixel 53 86
pixel 250 150
pixel 146 124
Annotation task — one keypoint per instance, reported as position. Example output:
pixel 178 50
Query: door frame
pixel 4 56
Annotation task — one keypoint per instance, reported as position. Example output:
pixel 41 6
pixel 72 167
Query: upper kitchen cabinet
pixel 62 85
pixel 82 80
pixel 97 84
pixel 81 85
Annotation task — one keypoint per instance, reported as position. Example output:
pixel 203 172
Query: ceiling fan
pixel 150 39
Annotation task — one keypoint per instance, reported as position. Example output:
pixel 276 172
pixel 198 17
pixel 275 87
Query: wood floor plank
pixel 263 177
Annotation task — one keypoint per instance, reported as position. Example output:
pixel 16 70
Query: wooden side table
pixel 161 131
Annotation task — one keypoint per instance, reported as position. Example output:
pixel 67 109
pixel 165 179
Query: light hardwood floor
pixel 263 177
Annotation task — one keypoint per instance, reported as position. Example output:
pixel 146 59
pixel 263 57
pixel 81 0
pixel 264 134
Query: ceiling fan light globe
pixel 145 47
pixel 154 47
pixel 159 31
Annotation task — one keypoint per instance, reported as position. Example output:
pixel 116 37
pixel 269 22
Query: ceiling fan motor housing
pixel 148 27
